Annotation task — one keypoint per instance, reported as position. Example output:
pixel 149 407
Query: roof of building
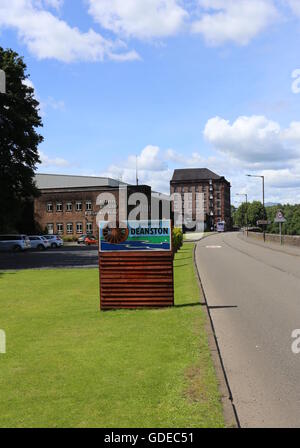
pixel 195 174
pixel 54 181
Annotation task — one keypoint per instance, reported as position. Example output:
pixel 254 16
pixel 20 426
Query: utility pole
pixel 136 171
pixel 246 197
pixel 263 193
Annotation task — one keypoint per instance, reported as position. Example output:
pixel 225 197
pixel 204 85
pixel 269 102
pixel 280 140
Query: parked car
pixel 39 242
pixel 81 239
pixel 54 240
pixel 16 243
pixel 90 240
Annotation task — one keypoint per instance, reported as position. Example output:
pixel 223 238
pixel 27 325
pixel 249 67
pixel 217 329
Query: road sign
pixel 262 222
pixel 280 217
pixel 136 236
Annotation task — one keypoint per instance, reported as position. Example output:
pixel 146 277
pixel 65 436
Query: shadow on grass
pixel 2 273
pixel 187 305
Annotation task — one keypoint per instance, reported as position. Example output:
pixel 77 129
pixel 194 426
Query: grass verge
pixel 68 365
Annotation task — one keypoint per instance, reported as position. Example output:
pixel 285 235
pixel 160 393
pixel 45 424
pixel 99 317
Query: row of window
pixel 69 206
pixel 198 188
pixel 69 228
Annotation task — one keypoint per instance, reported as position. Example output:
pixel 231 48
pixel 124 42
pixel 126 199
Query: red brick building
pixel 215 189
pixel 67 204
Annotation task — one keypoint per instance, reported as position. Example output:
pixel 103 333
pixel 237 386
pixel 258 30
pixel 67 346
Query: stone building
pixel 215 190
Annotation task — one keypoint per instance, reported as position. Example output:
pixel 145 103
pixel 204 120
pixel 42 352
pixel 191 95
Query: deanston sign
pixel 136 236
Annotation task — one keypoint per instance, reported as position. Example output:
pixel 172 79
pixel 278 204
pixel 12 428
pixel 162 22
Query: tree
pixel 256 212
pixel 19 140
pixel 240 216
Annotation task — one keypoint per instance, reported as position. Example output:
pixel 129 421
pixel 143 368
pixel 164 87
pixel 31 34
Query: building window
pixel 69 228
pixel 59 207
pixel 79 206
pixel 49 207
pixel 89 227
pixel 50 228
pixel 88 206
pixel 69 206
pixel 60 228
pixel 79 228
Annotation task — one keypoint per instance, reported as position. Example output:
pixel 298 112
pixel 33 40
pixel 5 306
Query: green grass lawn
pixel 70 365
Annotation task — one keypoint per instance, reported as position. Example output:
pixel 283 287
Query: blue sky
pixel 195 83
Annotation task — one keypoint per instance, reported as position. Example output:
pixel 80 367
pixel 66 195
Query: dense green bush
pixel 177 237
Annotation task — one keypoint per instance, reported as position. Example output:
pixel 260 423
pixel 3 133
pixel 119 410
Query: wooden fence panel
pixel 136 280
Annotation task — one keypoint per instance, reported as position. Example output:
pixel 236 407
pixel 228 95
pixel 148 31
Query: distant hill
pixel 271 204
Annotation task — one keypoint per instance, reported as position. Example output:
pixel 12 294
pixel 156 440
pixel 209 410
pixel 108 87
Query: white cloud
pixel 234 21
pixel 219 21
pixel 156 169
pixel 254 140
pixel 148 160
pixel 295 6
pixel 143 19
pixel 55 162
pixel 47 36
pixel 28 83
pixel 152 169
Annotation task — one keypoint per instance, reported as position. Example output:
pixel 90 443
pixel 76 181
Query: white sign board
pixel 279 217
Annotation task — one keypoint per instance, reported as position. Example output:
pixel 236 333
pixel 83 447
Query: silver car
pixel 16 243
pixel 39 242
pixel 54 240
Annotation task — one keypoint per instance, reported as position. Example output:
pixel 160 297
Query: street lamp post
pixel 246 196
pixel 263 193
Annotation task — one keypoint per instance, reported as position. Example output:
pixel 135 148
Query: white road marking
pixel 213 247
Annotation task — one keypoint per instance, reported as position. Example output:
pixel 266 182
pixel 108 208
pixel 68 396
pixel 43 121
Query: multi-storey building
pixel 215 198
pixel 67 205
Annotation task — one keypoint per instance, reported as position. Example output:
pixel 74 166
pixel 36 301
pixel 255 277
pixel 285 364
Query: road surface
pixel 64 257
pixel 253 293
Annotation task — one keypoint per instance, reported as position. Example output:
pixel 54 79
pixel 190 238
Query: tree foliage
pixel 249 214
pixel 292 216
pixel 256 212
pixel 19 140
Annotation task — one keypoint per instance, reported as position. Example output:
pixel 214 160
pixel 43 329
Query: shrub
pixel 69 239
pixel 177 237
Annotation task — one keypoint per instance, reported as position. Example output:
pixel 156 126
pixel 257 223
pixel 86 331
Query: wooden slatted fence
pixel 136 280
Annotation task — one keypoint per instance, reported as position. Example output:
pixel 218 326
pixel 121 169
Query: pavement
pixel 253 294
pixel 65 257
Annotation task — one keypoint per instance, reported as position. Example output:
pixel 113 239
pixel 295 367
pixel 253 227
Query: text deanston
pixel 149 231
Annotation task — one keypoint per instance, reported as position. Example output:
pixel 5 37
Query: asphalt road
pixel 254 297
pixel 66 257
